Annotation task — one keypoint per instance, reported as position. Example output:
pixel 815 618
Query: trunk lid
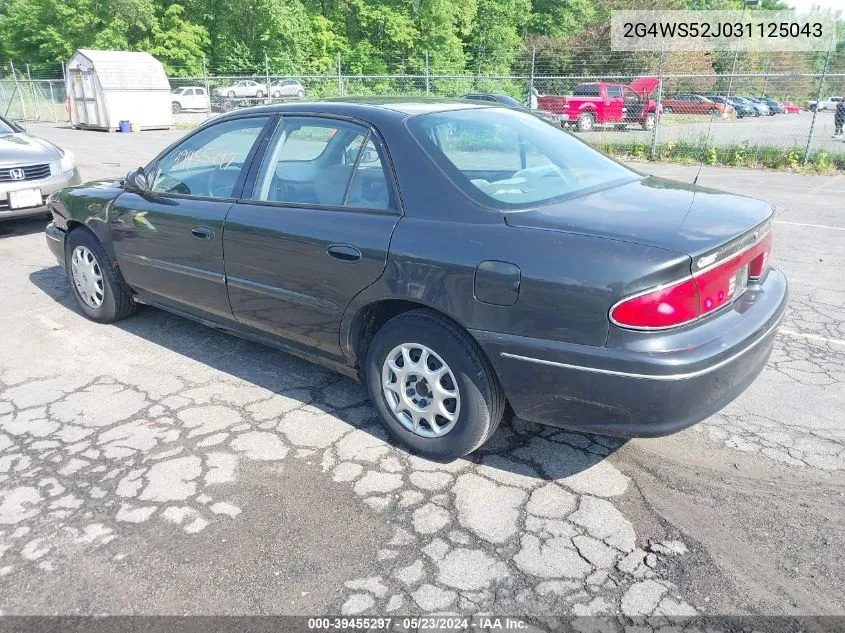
pixel 675 216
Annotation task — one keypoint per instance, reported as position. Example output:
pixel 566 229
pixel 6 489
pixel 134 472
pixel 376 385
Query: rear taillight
pixel 703 292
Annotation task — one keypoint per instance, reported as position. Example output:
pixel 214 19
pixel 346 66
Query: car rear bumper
pixel 46 186
pixel 646 384
pixel 56 242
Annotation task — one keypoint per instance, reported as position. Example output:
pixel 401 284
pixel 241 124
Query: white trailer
pixel 107 87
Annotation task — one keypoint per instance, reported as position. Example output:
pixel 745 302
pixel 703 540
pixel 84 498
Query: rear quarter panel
pixel 567 281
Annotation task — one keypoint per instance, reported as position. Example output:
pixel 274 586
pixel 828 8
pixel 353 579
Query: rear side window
pixel 324 162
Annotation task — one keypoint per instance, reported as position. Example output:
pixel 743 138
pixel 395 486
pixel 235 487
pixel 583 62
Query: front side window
pixel 614 92
pixel 208 163
pixel 509 159
pixel 324 162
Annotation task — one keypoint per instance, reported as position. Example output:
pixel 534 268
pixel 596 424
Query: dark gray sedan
pixel 461 259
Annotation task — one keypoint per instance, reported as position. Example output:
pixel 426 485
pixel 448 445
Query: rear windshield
pixel 509 159
pixel 586 90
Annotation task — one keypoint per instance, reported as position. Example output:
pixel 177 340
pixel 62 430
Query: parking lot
pixel 159 467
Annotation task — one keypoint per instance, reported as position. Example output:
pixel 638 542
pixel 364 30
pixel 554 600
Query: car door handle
pixel 344 252
pixel 202 232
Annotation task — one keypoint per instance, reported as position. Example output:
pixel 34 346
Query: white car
pixel 286 88
pixel 824 104
pixel 189 98
pixel 243 88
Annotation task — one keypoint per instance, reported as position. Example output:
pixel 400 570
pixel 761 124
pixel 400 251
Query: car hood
pixel 655 212
pixel 24 148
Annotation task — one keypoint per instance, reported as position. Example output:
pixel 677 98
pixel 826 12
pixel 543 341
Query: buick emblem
pixel 16 173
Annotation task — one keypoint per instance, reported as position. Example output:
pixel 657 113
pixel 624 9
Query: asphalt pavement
pixel 156 466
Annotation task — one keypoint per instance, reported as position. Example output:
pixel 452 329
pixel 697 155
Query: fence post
pixel 818 99
pixel 207 87
pixel 339 78
pixel 32 96
pixel 427 75
pixel 53 103
pixel 531 79
pixel 267 74
pixel 657 113
pixel 17 90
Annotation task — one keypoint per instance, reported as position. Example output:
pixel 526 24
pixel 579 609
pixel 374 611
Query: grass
pixel 738 155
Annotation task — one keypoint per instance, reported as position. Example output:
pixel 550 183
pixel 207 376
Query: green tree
pixel 177 44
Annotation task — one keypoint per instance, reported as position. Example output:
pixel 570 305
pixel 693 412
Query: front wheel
pixel 433 388
pixel 100 292
pixel 259 94
pixel 176 107
pixel 300 94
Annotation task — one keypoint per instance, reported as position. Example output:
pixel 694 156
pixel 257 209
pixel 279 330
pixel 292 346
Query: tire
pixel 650 121
pixel 231 94
pixel 277 94
pixel 713 112
pixel 480 402
pixel 116 303
pixel 586 122
pixel 300 93
pixel 176 107
pixel 667 110
pixel 259 94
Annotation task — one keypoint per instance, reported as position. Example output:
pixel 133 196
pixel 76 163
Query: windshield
pixel 509 159
pixel 176 91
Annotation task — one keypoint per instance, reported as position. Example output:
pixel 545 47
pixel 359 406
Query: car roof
pixel 402 107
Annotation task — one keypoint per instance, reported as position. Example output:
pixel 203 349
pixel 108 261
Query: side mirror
pixel 136 181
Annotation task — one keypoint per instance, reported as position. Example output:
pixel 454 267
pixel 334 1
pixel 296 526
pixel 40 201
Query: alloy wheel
pixel 87 276
pixel 421 390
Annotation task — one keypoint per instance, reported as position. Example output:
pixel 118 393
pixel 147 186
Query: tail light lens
pixel 704 292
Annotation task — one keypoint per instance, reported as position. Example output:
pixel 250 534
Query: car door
pixel 169 240
pixel 312 232
pixel 613 104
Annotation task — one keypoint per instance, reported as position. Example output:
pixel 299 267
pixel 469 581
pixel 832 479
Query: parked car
pixel 601 103
pixel 243 88
pixel 455 257
pixel 742 110
pixel 30 169
pixel 791 107
pixel 760 108
pixel 693 104
pixel 189 98
pixel 825 104
pixel 507 100
pixel 771 107
pixel 776 107
pixel 287 88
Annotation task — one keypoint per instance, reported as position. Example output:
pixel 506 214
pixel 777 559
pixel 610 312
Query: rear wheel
pixel 259 94
pixel 276 94
pixel 300 93
pixel 231 94
pixel 100 292
pixel 435 391
pixel 713 111
pixel 177 108
pixel 650 121
pixel 668 110
pixel 586 121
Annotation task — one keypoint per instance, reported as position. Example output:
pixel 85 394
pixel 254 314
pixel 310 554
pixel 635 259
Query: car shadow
pixel 23 226
pixel 553 453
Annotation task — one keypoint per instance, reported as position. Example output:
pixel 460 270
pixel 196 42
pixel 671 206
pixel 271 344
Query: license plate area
pixel 739 283
pixel 25 198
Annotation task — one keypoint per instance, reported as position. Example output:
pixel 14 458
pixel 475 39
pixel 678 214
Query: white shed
pixel 107 87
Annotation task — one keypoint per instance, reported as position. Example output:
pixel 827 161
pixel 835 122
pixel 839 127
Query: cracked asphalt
pixel 158 467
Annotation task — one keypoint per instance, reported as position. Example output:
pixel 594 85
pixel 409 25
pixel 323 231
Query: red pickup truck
pixel 599 102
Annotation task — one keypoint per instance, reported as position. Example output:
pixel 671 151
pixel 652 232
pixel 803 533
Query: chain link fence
pixel 739 109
